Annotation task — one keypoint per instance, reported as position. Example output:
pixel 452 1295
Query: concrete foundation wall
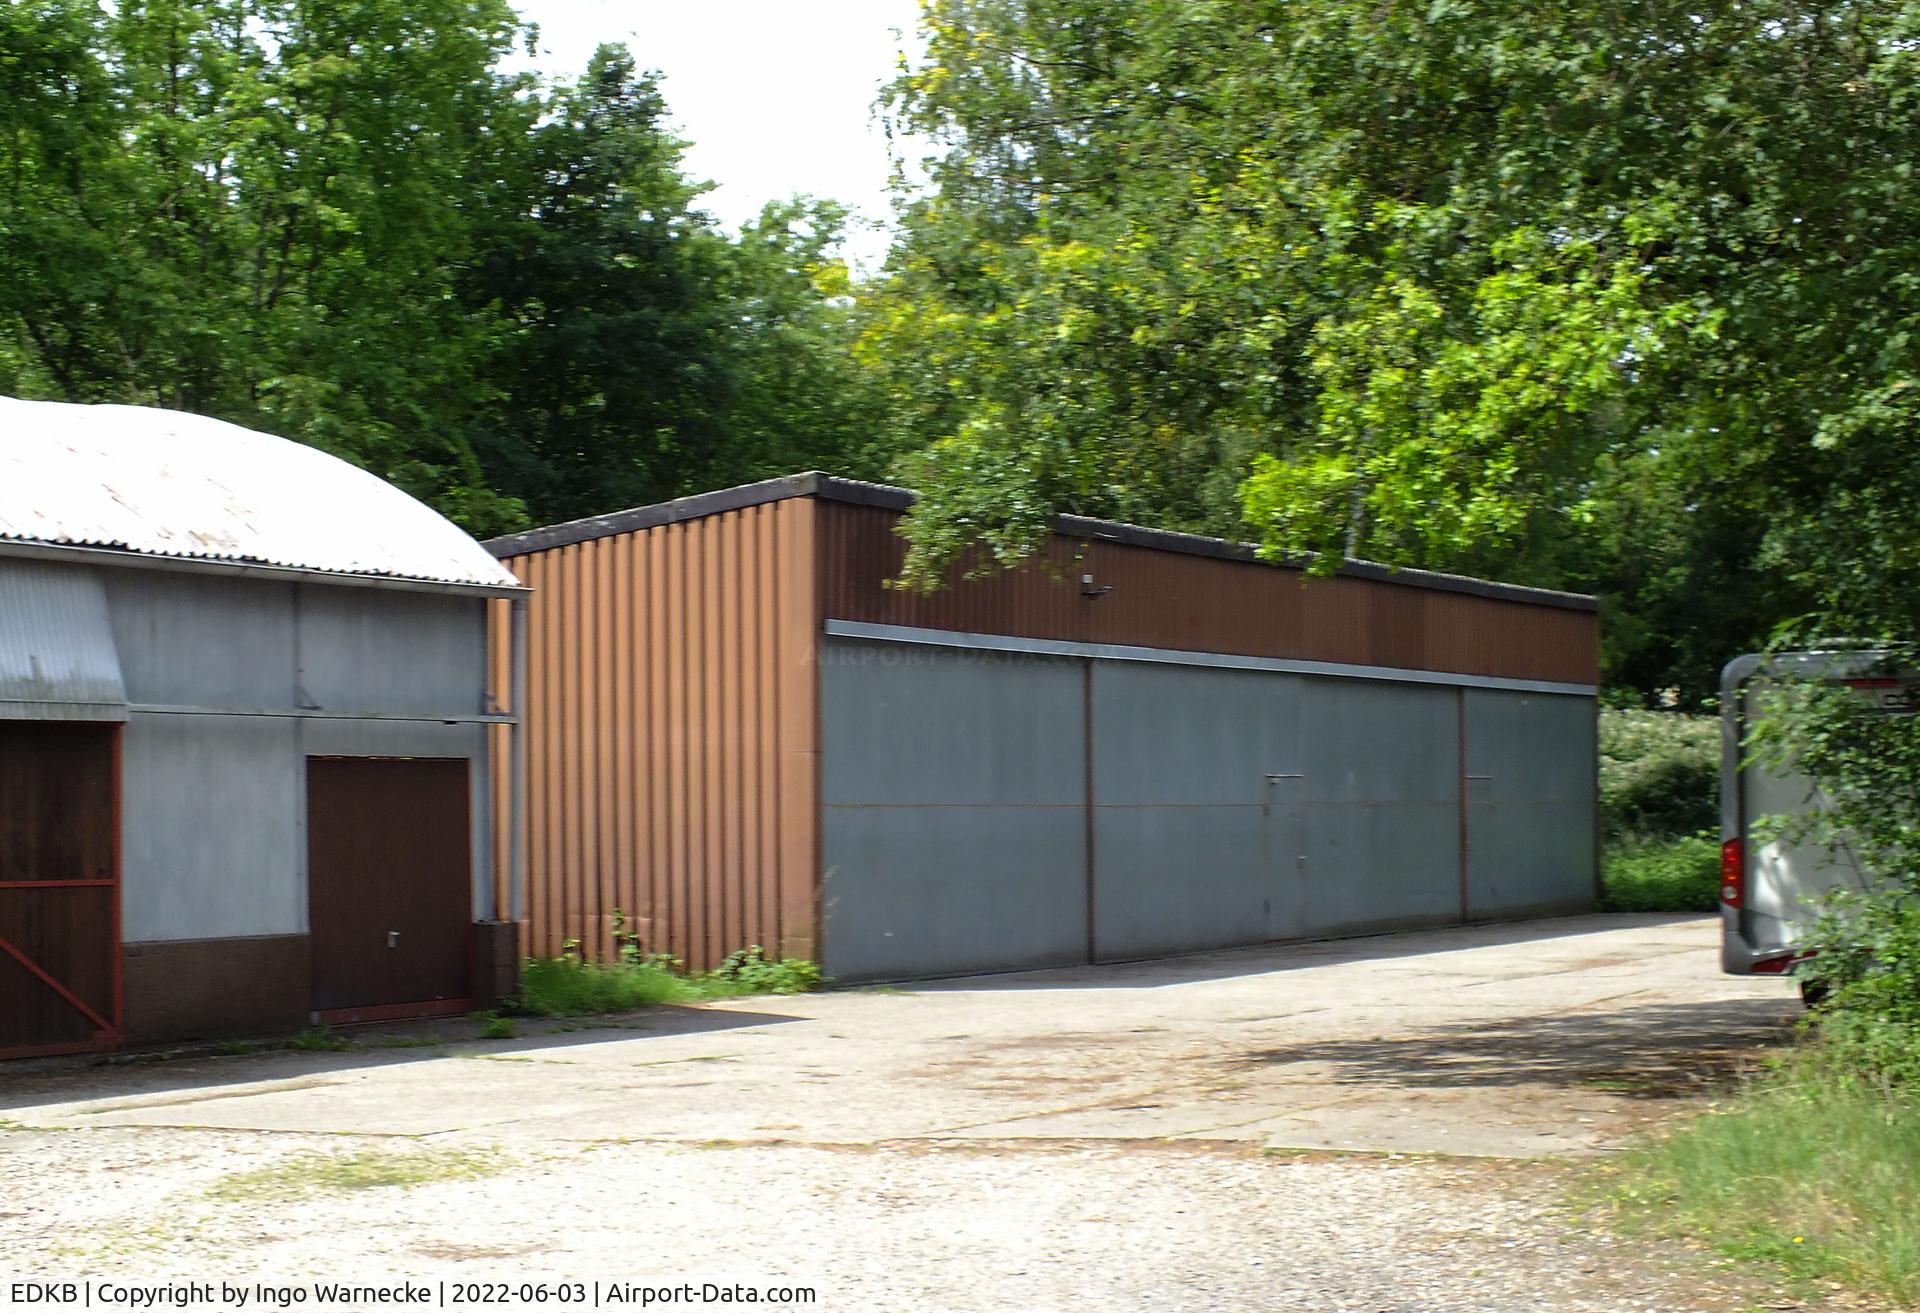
pixel 208 988
pixel 191 989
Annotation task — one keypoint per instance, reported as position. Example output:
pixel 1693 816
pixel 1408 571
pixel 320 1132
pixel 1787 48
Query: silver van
pixel 1768 886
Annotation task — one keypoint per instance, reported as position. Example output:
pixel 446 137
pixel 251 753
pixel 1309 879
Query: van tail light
pixel 1733 873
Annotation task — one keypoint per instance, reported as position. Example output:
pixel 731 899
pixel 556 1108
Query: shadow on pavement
pixel 199 1068
pixel 1658 1050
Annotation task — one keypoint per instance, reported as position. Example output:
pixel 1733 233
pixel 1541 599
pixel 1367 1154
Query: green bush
pixel 566 986
pixel 1659 773
pixel 1866 941
pixel 1869 974
pixel 1814 1166
pixel 750 971
pixel 1661 875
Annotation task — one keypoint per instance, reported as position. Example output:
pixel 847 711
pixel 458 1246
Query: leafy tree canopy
pixel 1607 296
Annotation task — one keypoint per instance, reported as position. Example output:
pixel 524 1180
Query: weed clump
pixel 572 986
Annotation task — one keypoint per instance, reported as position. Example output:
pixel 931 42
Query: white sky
pixel 776 96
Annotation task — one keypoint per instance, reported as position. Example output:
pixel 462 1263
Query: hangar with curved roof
pixel 246 727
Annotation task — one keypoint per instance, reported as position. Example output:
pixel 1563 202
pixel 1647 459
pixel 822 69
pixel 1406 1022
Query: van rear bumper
pixel 1752 944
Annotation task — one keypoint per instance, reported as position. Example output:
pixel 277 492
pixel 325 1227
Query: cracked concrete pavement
pixel 1148 1135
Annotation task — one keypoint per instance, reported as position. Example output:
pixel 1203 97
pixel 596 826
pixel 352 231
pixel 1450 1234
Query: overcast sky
pixel 776 96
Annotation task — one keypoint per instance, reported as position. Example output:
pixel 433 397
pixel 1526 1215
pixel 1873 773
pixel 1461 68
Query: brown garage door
pixel 59 895
pixel 389 885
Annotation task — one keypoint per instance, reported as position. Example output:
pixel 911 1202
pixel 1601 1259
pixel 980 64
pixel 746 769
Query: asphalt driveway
pixel 1154 1131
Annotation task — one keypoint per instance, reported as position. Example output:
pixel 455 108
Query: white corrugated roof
pixel 172 484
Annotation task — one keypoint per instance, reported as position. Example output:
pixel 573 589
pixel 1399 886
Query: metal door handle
pixel 393 939
pixel 1286 777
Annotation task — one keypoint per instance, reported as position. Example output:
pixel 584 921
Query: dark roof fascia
pixel 852 491
pixel 652 517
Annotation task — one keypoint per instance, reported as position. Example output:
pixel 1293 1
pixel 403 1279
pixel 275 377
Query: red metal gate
pixel 59 887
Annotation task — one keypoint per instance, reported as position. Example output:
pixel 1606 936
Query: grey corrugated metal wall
pixel 1237 806
pixel 213 802
pixel 1227 807
pixel 56 646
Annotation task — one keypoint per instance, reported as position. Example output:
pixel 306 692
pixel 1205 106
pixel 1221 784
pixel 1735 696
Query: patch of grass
pixel 318 1039
pixel 319 1173
pixel 1619 1084
pixel 1661 875
pixel 566 986
pixel 236 1048
pixel 751 971
pixel 495 1026
pixel 1808 1168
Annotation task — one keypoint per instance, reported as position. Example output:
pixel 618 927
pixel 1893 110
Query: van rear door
pixel 1770 885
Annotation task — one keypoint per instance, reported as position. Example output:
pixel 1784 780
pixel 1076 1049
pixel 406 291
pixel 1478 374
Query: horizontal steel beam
pixel 321 713
pixel 1175 657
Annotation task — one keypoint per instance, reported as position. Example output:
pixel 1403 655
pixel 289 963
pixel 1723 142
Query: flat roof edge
pixel 829 487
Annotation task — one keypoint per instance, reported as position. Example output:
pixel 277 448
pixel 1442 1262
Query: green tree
pixel 613 354
pixel 342 221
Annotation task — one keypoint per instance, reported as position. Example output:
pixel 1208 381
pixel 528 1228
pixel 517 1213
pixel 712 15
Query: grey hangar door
pixel 1236 806
pixel 953 820
pixel 988 810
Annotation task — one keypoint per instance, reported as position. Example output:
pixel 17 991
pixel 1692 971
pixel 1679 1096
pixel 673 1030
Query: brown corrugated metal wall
pixel 671 736
pixel 1198 603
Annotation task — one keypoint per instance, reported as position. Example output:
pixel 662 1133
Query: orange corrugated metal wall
pixel 672 737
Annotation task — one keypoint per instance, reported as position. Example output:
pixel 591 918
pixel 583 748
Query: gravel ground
pixel 914 1226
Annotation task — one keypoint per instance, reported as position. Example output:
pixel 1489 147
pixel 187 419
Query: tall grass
pixel 1811 1168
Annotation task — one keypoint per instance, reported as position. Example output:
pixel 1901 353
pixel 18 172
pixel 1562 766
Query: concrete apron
pixel 1543 1038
